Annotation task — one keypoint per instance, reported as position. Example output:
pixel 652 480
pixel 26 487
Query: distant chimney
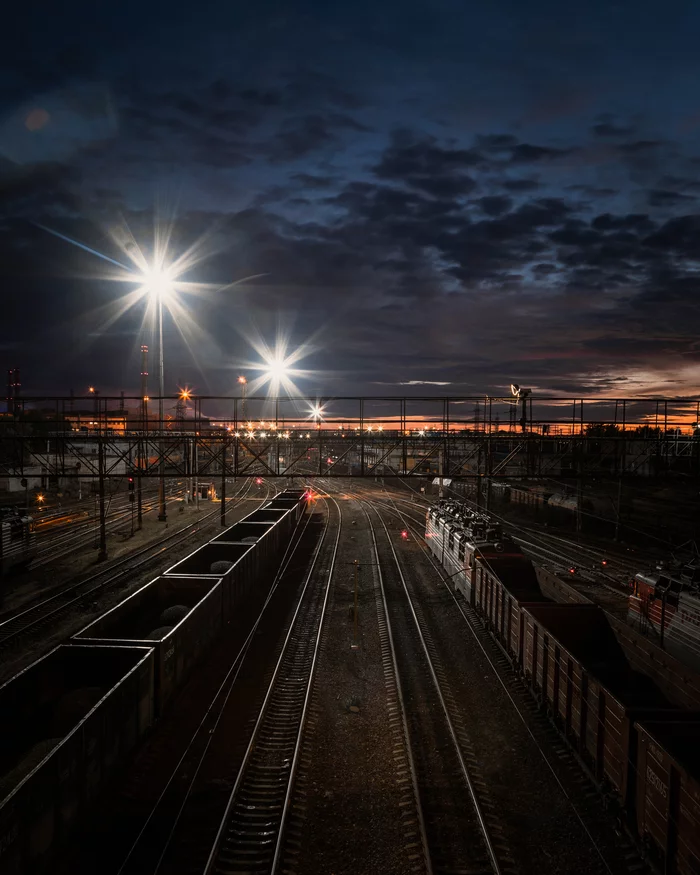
pixel 144 382
pixel 13 387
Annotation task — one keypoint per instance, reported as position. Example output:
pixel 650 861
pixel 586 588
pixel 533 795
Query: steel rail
pixel 276 736
pixel 36 614
pixel 466 774
pixel 221 696
pixel 469 621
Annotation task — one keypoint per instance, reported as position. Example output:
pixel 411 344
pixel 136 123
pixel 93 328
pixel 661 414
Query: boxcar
pixel 577 669
pixel 142 620
pixel 66 723
pixel 668 792
pixel 502 584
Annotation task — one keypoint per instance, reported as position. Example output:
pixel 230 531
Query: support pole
pixel 162 514
pixel 102 554
pixel 223 482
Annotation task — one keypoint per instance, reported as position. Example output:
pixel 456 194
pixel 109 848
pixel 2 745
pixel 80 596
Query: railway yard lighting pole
pixel 159 286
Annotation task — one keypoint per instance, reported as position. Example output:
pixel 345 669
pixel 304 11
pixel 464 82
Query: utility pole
pixel 223 481
pixel 102 554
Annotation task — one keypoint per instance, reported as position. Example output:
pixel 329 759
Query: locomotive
pixel 666 603
pixel 466 542
pixel 17 539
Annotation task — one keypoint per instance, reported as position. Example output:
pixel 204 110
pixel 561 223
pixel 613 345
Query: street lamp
pixel 158 284
pixel 243 382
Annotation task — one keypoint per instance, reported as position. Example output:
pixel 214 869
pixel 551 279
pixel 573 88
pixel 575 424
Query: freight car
pixel 69 720
pixel 183 612
pixel 66 724
pixel 575 667
pixel 17 539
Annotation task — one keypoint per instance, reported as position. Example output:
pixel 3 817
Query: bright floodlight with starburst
pixel 158 277
pixel 277 366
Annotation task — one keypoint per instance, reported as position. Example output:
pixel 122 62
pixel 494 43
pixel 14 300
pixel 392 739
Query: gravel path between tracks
pixel 347 816
pixel 87 610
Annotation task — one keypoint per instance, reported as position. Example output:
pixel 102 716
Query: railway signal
pixel 258 480
pixel 404 535
pixel 131 484
pixel 572 569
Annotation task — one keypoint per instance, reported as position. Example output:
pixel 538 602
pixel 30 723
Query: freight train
pixel 666 603
pixel 70 720
pixel 17 539
pixel 638 747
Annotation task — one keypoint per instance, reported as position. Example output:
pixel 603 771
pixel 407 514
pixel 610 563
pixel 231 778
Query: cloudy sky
pixel 441 196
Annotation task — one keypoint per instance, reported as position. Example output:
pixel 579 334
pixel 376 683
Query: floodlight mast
pixel 522 396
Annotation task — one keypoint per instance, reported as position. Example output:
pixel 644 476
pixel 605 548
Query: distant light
pixel 276 369
pixel 91 389
pixel 236 434
pixel 158 282
pixel 380 428
pixel 40 498
pixel 308 435
pixel 185 394
pixel 369 428
pixel 242 380
pixel 146 398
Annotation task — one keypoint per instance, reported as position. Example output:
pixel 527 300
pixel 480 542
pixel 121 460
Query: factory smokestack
pixel 144 383
pixel 13 387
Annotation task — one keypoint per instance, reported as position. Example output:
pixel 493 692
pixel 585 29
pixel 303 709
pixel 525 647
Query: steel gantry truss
pixel 455 437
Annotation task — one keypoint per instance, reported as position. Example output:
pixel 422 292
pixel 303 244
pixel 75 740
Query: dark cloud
pixel 663 198
pixel 636 222
pixel 608 129
pixel 298 137
pixel 494 205
pixel 521 185
pixel 424 165
pixel 526 153
pixel 496 142
pixel 592 191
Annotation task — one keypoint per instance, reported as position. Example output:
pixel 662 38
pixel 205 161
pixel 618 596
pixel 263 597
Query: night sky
pixel 443 197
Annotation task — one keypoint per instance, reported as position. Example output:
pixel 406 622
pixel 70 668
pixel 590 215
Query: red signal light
pixel 258 480
pixel 604 562
pixel 572 570
pixel 404 534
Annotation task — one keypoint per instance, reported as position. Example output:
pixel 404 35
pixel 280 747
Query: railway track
pixel 16 628
pixel 79 533
pixel 459 828
pixel 608 847
pixel 159 839
pixel 559 553
pixel 250 835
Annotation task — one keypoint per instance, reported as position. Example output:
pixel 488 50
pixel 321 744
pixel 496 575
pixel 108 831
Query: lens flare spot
pixel 37 119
